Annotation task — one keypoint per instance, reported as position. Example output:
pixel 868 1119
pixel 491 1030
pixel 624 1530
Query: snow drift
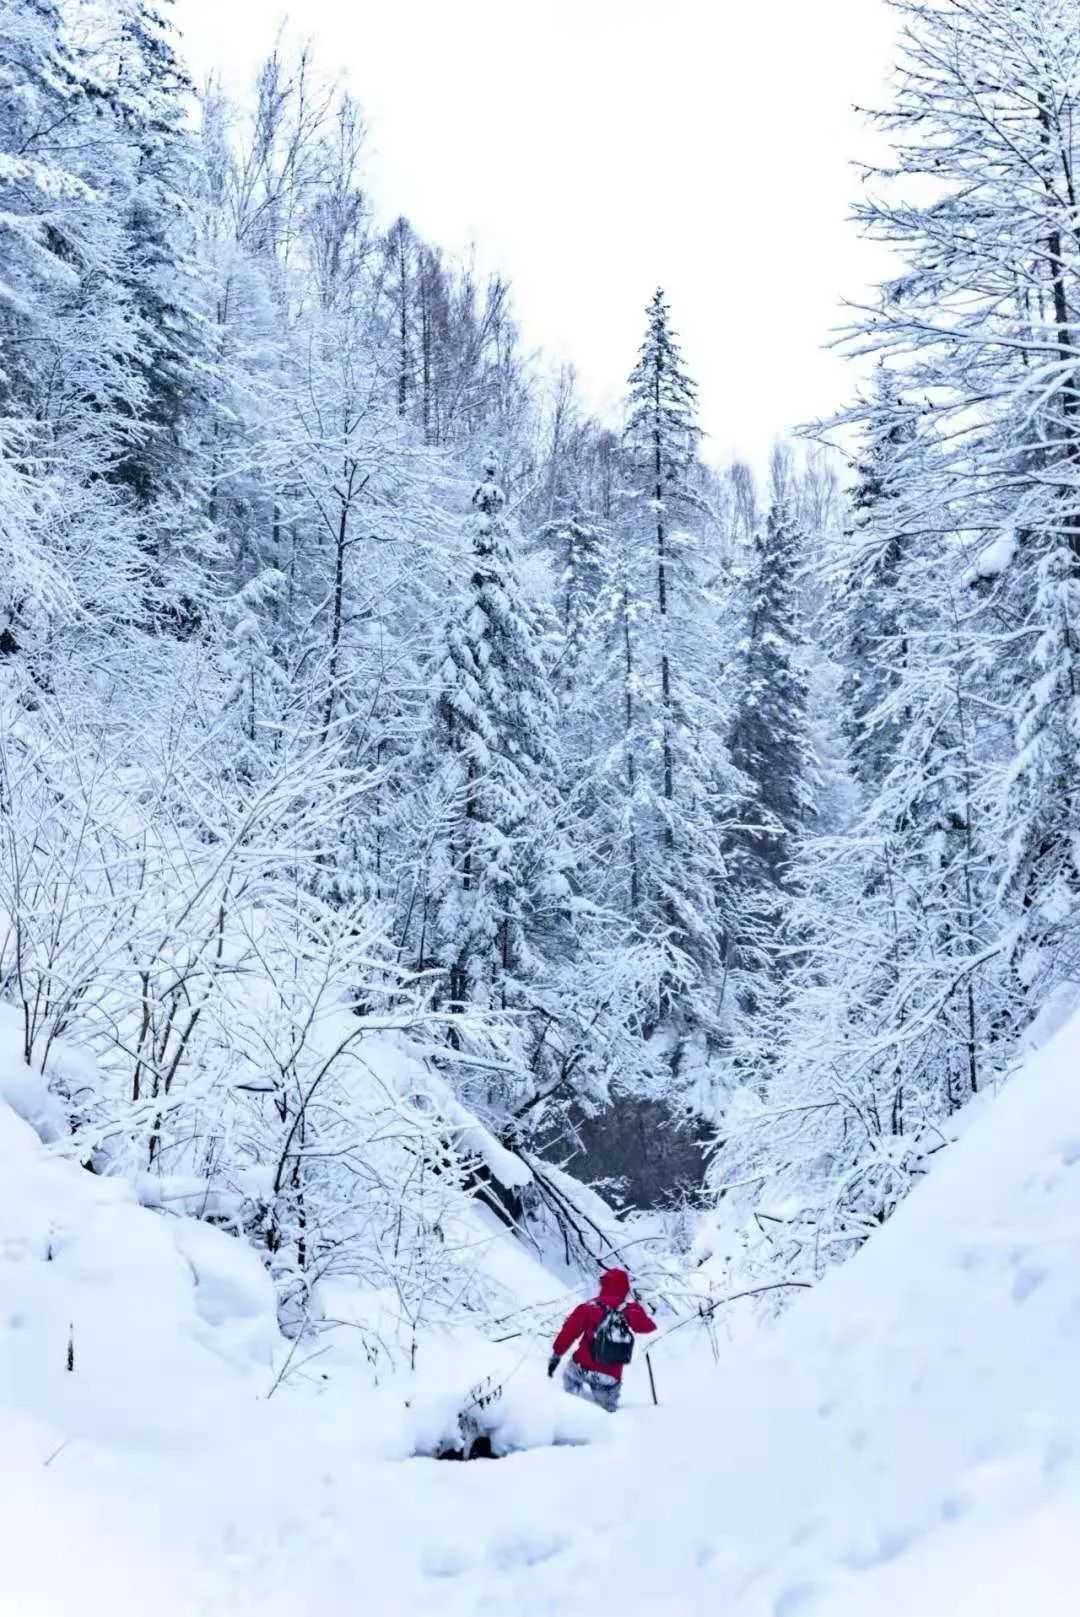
pixel 908 1438
pixel 111 1313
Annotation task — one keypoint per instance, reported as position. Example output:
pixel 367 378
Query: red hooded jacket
pixel 614 1288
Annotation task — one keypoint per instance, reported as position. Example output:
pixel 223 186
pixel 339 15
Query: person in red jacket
pixel 587 1376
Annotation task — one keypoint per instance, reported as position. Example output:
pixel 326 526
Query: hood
pixel 614 1287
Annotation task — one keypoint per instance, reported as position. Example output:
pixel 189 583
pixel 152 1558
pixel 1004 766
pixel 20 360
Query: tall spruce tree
pixel 494 889
pixel 662 435
pixel 575 543
pixel 770 739
pixel 164 184
pixel 681 790
pixel 871 646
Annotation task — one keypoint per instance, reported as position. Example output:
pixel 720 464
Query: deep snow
pixel 906 1439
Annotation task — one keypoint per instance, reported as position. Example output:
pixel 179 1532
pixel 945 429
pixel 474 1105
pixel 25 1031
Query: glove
pixel 553 1364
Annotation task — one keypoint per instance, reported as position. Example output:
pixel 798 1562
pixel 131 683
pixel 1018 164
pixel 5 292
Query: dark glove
pixel 553 1364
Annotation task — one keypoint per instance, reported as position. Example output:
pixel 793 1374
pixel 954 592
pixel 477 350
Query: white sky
pixel 593 149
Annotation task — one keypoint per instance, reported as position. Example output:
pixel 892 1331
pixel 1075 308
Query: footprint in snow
pixel 525 1549
pixel 890 1543
pixel 954 1506
pixel 796 1600
pixel 444 1561
pixel 804 1531
pixel 1025 1282
pixel 1058 1454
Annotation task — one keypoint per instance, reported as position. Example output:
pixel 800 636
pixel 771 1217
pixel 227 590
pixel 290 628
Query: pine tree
pixel 495 887
pixel 770 740
pixel 893 997
pixel 163 185
pixel 662 435
pixel 69 384
pixel 681 792
pixel 575 542
pixel 62 253
pixel 872 646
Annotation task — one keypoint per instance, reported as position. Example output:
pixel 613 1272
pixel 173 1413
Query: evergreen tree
pixel 893 996
pixel 770 740
pixel 163 187
pixel 575 543
pixel 872 647
pixel 681 790
pixel 69 385
pixel 662 436
pixel 495 888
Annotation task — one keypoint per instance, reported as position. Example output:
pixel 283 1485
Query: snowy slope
pixel 908 1439
pixel 122 1334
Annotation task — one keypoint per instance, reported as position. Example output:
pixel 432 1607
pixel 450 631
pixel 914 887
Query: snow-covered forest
pixel 442 828
pixel 362 693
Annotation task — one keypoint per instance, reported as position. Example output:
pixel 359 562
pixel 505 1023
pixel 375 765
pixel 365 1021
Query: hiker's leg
pixel 574 1380
pixel 606 1391
pixel 593 1386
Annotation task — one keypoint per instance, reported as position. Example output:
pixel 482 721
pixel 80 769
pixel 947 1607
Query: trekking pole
pixel 652 1380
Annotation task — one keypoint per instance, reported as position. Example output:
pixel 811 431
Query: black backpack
pixel 613 1340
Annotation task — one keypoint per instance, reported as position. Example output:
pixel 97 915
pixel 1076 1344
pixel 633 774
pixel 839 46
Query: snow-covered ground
pixel 906 1440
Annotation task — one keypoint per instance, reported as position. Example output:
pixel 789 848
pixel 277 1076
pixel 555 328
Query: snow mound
pixel 514 1413
pixel 118 1324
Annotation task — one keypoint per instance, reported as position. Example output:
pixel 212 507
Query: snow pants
pixel 593 1385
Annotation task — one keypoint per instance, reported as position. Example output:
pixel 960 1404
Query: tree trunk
pixel 662 598
pixel 337 617
pixel 631 761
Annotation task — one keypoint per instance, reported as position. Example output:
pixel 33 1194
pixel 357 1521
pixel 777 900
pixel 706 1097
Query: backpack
pixel 613 1340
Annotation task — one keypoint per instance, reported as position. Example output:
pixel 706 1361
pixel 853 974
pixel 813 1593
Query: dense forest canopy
pixel 411 785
